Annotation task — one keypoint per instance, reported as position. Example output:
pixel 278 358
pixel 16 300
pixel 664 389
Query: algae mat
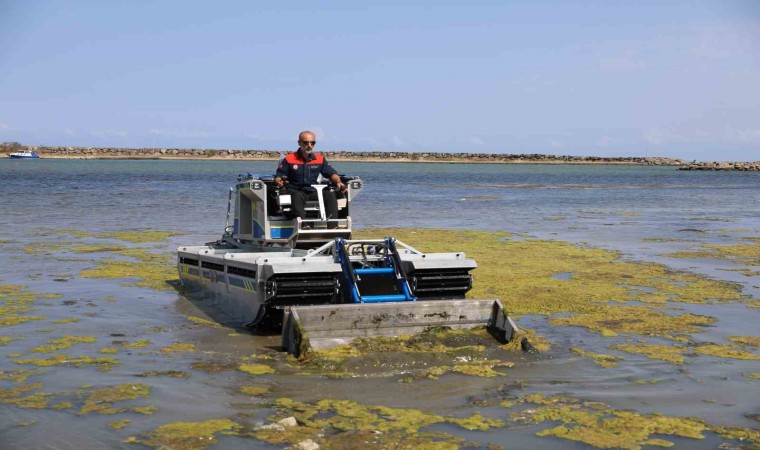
pixel 152 370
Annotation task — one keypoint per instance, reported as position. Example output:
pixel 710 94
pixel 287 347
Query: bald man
pixel 302 168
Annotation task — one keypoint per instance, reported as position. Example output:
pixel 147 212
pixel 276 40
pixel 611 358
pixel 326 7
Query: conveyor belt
pixel 302 289
pixel 440 284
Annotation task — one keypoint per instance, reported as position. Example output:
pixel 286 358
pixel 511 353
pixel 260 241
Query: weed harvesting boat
pixel 320 287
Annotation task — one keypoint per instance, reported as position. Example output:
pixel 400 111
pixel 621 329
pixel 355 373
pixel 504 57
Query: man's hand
pixel 342 187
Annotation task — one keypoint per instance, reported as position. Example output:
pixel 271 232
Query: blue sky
pixel 604 78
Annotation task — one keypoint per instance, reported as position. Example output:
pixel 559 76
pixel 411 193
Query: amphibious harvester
pixel 323 288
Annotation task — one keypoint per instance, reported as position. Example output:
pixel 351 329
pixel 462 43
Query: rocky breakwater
pixel 150 153
pixel 723 165
pixel 342 155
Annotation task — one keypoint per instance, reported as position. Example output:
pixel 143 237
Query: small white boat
pixel 25 154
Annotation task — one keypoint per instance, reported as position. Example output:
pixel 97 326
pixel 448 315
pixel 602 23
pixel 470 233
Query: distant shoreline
pixel 346 156
pixel 372 157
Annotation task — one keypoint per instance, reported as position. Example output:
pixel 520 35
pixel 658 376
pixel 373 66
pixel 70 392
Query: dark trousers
pixel 298 199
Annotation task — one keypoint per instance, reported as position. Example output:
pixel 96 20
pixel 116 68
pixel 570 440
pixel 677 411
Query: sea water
pixel 619 208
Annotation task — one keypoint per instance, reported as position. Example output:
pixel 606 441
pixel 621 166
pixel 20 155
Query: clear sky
pixel 601 78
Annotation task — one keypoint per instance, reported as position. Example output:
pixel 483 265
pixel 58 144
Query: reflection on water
pixel 643 212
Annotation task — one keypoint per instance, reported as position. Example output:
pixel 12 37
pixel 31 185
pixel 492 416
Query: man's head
pixel 306 142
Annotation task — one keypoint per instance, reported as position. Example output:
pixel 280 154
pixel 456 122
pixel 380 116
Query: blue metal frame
pixel 392 266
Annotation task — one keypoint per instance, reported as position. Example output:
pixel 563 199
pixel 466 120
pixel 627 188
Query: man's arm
pixel 328 171
pixel 281 172
pixel 335 178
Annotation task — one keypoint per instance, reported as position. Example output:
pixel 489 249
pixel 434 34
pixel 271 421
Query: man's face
pixel 306 143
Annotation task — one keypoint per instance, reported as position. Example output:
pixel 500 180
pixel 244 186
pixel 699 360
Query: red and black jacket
pixel 302 174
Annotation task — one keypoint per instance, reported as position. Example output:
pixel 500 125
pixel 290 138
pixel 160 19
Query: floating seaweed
pixel 186 435
pixel 599 358
pixel 598 425
pixel 101 400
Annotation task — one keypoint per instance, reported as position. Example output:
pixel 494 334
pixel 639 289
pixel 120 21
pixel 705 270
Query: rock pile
pixel 391 156
pixel 151 153
pixel 722 165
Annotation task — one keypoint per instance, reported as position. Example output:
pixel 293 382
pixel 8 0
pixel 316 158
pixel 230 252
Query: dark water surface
pixel 612 207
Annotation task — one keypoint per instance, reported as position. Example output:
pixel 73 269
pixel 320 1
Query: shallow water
pixel 611 207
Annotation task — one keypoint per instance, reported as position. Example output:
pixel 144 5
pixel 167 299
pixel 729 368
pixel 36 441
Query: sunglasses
pixel 309 142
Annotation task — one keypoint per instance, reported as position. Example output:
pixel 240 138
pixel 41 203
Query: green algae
pixel 520 273
pixel 16 301
pixel 44 248
pixel 76 233
pixel 109 350
pixel 135 236
pixel 152 275
pixel 259 357
pixel 753 341
pixel 659 352
pixel 5 340
pixel 755 375
pixel 652 381
pixel 101 400
pixel 206 322
pixel 612 320
pixel 331 423
pixel 69 320
pixel 485 368
pixel 178 347
pixel 725 351
pixel 103 363
pixel 186 435
pixel 119 424
pixel 149 269
pixel 139 236
pixel 165 373
pixel 7 289
pixel 538 342
pixel 748 255
pixel 19 376
pixel 667 240
pixel 254 390
pixel 256 369
pixel 441 340
pixel 599 359
pixel 15 319
pixel 97 248
pixel 598 425
pixel 481 368
pixel 428 354
pixel 145 410
pixel 14 396
pixel 214 366
pixel 62 343
pixel 350 415
pixel 137 344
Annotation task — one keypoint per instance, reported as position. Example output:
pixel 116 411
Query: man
pixel 302 168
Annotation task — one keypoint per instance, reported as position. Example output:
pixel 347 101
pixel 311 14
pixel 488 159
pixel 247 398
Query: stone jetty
pixel 335 155
pixel 723 165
